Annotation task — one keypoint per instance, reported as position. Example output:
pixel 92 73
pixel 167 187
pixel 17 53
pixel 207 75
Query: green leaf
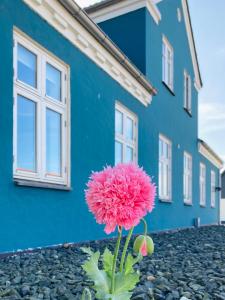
pixel 122 296
pixel 107 258
pixel 130 262
pixel 125 283
pixel 87 250
pixel 100 278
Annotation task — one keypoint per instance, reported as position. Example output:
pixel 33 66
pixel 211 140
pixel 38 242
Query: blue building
pixel 75 98
pixel 222 204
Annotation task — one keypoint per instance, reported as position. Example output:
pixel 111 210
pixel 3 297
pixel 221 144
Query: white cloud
pixel 212 125
pixel 211 117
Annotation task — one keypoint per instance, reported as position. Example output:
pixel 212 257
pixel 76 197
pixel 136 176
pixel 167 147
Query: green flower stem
pixel 145 227
pixel 115 259
pixel 125 249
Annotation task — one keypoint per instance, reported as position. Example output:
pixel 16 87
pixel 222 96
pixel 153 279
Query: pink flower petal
pixel 120 196
pixel 143 249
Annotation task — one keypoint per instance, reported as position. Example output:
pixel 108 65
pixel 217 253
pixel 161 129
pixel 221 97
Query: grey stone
pixel 191 267
pixel 25 290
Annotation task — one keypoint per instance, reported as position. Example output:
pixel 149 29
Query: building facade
pixel 74 99
pixel 222 204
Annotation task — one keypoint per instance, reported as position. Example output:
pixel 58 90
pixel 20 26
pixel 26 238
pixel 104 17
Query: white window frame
pixel 213 189
pixel 165 162
pixel 187 177
pixel 167 63
pixel 121 138
pixel 202 179
pixel 38 95
pixel 187 92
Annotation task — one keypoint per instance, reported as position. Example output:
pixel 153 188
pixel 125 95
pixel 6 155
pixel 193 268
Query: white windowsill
pixel 44 185
pixel 164 200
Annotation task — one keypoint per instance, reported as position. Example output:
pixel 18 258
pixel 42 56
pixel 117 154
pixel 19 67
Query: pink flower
pixel 143 248
pixel 120 196
pixel 144 245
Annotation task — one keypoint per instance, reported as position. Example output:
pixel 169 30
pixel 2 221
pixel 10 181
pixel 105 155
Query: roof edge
pixel 69 19
pixel 108 9
pixel 190 34
pixel 210 154
pixel 106 42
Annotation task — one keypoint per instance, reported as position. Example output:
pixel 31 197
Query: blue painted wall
pixel 129 33
pixel 166 114
pixel 223 185
pixel 32 217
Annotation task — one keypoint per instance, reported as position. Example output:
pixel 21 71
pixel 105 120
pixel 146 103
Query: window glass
pixel 187 178
pixel 202 184
pixel 118 153
pixel 26 134
pixel 167 63
pixel 53 82
pixel 213 188
pixel 125 135
pixel 26 66
pixel 130 129
pixel 53 143
pixel 119 122
pixel 129 154
pixel 164 169
pixel 187 91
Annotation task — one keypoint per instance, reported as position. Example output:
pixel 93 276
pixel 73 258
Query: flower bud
pixel 144 245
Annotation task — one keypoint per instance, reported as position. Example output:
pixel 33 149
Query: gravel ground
pixel 188 264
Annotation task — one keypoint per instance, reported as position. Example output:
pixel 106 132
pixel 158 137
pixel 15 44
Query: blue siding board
pixel 32 217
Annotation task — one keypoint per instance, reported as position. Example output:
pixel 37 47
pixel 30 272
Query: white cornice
pixel 58 17
pixel 198 83
pixel 203 150
pixel 125 7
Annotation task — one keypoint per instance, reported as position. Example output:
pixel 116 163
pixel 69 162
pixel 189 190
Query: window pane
pixel 160 148
pixel 166 150
pixel 53 143
pixel 118 153
pixel 160 179
pixel 129 154
pixel 119 122
pixel 166 180
pixel 129 128
pixel 26 134
pixel 27 66
pixel 53 82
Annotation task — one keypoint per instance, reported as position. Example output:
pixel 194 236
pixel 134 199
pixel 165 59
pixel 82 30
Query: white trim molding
pixel 123 7
pixel 209 154
pixel 122 132
pixel 187 178
pixel 197 81
pixel 43 102
pixel 165 169
pixel 58 17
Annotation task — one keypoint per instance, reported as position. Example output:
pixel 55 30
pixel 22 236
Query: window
pixel 213 189
pixel 165 163
pixel 40 114
pixel 167 64
pixel 125 135
pixel 187 92
pixel 202 184
pixel 187 178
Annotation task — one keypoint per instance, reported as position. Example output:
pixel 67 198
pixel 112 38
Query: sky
pixel 208 20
